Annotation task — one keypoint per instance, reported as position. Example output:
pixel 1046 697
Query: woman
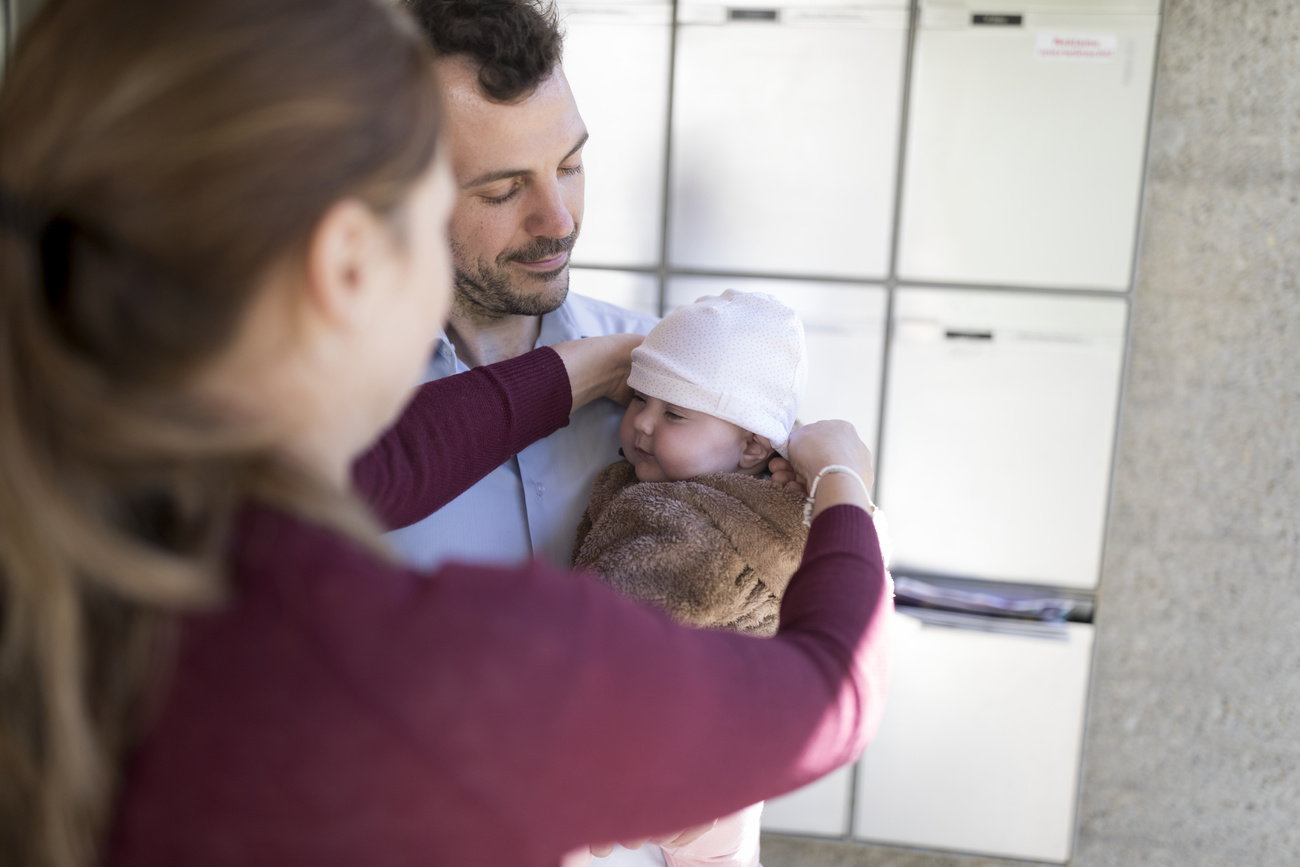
pixel 222 255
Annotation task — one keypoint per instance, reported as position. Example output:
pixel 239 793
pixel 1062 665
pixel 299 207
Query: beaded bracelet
pixel 812 490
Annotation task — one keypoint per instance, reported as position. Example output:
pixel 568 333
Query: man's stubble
pixel 487 291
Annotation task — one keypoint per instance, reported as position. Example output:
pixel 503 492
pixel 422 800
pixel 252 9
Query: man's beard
pixel 491 291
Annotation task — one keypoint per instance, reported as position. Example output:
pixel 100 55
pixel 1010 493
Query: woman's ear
pixel 755 452
pixel 345 258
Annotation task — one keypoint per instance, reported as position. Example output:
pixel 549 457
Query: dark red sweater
pixel 344 711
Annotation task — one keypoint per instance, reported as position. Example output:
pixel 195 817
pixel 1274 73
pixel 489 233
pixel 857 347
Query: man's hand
pixel 673 839
pixel 681 838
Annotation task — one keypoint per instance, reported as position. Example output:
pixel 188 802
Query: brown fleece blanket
pixel 715 551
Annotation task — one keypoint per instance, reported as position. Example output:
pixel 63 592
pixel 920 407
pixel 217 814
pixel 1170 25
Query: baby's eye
pixel 636 398
pixel 674 416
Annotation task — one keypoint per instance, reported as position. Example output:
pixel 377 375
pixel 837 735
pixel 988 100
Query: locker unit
pixel 844 327
pixel 616 56
pixel 979 747
pixel 785 137
pixel 999 425
pixel 1026 142
pixel 630 289
pixel 820 808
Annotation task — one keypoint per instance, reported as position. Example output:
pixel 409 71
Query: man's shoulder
pixel 595 317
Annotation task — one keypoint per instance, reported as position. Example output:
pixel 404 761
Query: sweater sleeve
pixel 458 429
pixel 571 715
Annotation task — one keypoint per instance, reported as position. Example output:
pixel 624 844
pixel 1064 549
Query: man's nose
pixel 549 216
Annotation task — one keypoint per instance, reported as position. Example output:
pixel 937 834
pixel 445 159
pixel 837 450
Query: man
pixel 516 142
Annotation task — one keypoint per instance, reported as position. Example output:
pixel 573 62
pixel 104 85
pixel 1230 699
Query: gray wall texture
pixel 1192 750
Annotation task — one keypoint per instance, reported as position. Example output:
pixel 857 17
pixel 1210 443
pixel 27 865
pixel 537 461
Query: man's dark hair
pixel 515 43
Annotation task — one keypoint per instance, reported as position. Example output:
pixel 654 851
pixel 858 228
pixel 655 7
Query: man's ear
pixel 755 452
pixel 343 259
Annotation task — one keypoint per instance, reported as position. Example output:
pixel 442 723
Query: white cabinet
pixel 785 137
pixel 979 747
pixel 844 327
pixel 1026 142
pixel 999 426
pixel 820 808
pixel 616 57
pixel 629 289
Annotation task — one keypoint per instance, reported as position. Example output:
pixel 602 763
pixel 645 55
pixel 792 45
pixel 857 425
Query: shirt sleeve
pixel 576 716
pixel 458 429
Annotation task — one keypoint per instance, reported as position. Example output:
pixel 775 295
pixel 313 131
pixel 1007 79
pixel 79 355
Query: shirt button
pixel 541 489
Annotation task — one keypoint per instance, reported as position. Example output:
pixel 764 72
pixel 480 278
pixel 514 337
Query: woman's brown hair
pixel 157 159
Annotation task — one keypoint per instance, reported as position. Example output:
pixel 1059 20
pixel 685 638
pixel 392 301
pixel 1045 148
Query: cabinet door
pixel 616 59
pixel 820 808
pixel 979 747
pixel 629 289
pixel 995 459
pixel 785 139
pixel 1026 144
pixel 844 327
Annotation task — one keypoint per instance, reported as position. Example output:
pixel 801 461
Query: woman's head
pixel 192 146
pixel 170 172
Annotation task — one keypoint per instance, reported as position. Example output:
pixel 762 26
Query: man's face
pixel 519 205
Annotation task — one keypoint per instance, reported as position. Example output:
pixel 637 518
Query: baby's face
pixel 667 443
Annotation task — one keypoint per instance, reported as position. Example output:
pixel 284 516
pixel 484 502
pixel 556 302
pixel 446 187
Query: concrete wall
pixel 1193 744
pixel 1192 753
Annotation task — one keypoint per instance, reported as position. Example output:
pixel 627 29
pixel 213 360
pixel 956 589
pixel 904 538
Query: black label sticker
pixel 995 20
pixel 751 14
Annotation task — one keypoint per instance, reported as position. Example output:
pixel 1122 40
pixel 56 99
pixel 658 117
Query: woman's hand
pixel 818 445
pixel 784 476
pixel 599 367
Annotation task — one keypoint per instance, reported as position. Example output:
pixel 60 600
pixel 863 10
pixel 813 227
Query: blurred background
pixel 1044 253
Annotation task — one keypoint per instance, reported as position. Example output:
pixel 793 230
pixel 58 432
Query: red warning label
pixel 1087 47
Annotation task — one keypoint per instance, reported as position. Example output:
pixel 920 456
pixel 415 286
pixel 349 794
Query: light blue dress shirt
pixel 530 505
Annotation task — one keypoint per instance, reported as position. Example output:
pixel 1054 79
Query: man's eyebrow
pixel 581 142
pixel 503 174
pixel 493 177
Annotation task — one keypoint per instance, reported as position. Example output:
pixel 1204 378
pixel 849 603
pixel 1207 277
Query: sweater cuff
pixel 844 529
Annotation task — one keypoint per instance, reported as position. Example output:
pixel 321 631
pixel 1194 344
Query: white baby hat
pixel 739 356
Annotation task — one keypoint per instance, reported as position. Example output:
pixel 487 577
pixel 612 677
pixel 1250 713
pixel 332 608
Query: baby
pixel 689 522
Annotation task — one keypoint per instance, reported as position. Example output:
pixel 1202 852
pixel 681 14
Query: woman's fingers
pixel 784 476
pixel 599 366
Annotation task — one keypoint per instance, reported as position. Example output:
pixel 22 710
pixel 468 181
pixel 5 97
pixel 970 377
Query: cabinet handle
pixel 996 20
pixel 751 15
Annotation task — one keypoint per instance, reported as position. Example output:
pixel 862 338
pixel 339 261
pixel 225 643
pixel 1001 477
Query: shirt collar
pixel 557 326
